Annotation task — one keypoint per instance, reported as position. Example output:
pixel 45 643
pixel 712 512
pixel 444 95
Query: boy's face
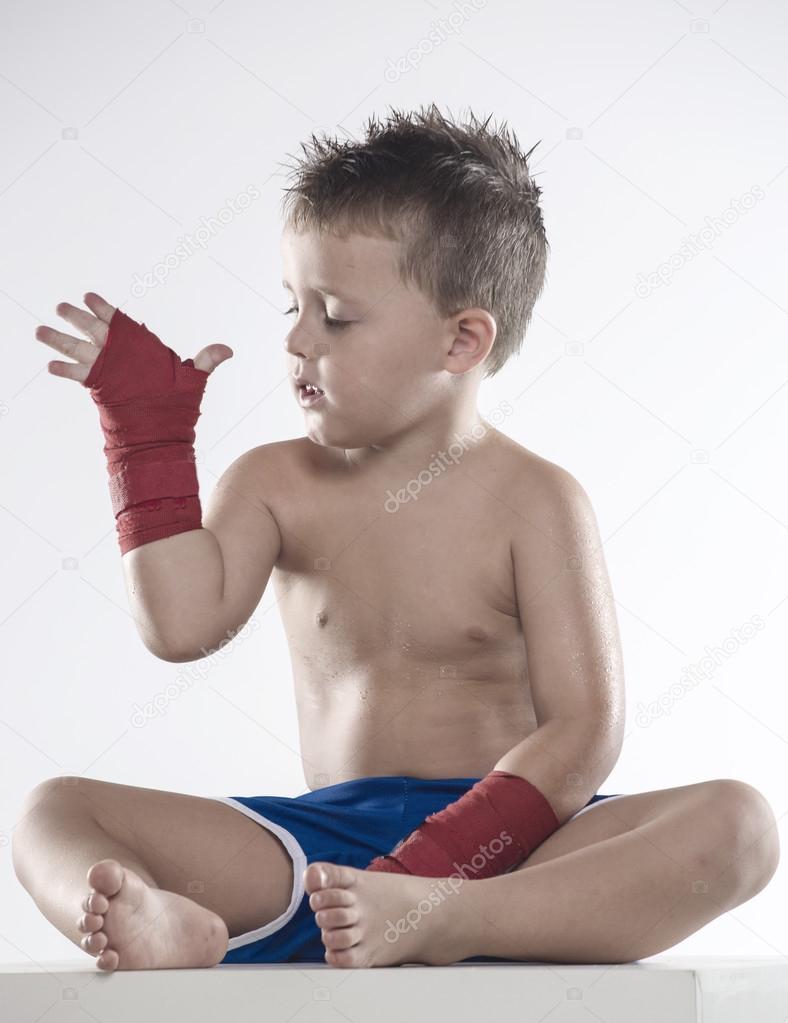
pixel 384 367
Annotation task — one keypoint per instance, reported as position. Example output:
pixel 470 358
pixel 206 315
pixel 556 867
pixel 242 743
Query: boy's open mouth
pixel 308 394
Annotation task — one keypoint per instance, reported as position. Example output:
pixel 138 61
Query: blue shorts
pixel 349 823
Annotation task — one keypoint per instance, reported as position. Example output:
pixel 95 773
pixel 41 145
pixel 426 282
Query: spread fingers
pixel 85 322
pixel 83 351
pixel 99 306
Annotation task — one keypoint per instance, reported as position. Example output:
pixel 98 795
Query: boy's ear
pixel 472 335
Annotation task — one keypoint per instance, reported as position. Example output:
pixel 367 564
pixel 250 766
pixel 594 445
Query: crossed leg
pixel 626 879
pixel 147 879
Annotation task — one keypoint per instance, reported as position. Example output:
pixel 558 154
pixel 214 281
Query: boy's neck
pixel 446 442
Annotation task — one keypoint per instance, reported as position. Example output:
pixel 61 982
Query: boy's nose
pixel 299 343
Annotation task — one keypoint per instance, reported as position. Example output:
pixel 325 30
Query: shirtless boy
pixel 457 664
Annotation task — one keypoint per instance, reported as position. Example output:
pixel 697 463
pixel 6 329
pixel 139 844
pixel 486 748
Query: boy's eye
pixel 326 319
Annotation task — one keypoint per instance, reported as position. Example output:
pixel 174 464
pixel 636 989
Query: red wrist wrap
pixel 149 402
pixel 491 828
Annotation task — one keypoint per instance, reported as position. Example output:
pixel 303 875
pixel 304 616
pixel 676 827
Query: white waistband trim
pixel 599 802
pixel 297 855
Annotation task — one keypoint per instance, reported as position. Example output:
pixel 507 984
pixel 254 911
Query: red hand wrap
pixel 491 828
pixel 149 402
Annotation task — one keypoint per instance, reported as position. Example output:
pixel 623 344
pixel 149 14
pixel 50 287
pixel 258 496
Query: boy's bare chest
pixel 428 579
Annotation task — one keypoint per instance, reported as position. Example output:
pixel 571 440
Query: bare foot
pixel 374 919
pixel 130 926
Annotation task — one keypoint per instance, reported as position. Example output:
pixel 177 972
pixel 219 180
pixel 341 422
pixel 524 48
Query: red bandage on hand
pixel 149 402
pixel 491 828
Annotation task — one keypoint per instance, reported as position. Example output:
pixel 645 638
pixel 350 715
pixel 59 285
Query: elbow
pixel 178 658
pixel 163 645
pixel 596 743
pixel 170 653
pixel 179 653
pixel 608 742
pixel 178 647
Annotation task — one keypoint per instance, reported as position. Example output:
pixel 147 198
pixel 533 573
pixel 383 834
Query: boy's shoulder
pixel 545 502
pixel 280 460
pixel 533 480
pixel 281 451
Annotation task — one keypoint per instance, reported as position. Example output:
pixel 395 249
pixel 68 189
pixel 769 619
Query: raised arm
pixel 191 584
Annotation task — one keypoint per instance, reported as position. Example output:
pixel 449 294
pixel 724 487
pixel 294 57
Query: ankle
pixel 455 914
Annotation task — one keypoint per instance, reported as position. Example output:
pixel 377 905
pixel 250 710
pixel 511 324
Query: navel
pixel 321 618
pixel 477 633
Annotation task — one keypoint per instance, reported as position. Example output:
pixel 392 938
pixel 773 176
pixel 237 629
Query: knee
pixel 748 831
pixel 41 807
pixel 49 796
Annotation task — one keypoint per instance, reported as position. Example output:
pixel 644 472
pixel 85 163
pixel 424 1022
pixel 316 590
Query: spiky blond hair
pixel 459 196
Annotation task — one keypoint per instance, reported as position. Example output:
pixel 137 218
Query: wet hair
pixel 460 198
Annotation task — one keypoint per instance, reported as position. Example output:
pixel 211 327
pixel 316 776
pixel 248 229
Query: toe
pixel 94 943
pixel 315 877
pixel 95 902
pixel 341 938
pixel 106 877
pixel 348 957
pixel 108 960
pixel 90 922
pixel 328 918
pixel 332 897
pixel 328 875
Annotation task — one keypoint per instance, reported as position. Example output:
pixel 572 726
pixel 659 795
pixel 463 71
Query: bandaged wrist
pixel 149 402
pixel 492 828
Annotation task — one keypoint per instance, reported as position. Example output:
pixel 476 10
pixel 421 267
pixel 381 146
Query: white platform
pixel 659 990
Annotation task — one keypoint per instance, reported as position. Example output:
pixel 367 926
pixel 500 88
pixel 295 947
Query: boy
pixel 456 658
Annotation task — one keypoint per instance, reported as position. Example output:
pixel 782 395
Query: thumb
pixel 210 357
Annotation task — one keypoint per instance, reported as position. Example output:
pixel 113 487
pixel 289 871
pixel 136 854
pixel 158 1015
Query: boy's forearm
pixel 149 403
pixel 175 591
pixel 532 790
pixel 566 759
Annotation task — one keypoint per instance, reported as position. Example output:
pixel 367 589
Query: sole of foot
pixel 129 925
